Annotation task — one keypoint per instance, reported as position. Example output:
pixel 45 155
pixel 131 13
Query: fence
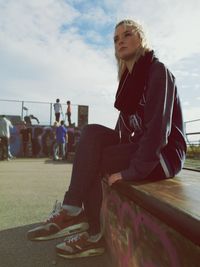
pixel 43 111
pixel 192 134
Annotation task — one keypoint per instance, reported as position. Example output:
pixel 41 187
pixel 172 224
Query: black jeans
pixel 4 147
pixel 99 151
pixel 69 118
pixel 57 116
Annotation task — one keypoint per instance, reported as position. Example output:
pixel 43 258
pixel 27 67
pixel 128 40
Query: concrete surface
pixel 15 250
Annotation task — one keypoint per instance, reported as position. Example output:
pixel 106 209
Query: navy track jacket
pixel 157 127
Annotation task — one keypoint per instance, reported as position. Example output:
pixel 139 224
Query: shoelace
pixel 56 210
pixel 73 238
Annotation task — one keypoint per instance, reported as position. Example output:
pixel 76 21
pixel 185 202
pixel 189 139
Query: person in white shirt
pixel 5 126
pixel 58 109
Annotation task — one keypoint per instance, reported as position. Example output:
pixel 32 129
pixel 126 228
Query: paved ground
pixel 15 250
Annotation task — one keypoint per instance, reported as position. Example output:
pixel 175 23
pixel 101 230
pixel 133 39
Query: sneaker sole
pixel 77 228
pixel 88 253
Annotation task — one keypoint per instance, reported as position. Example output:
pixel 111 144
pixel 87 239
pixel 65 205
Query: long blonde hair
pixel 141 50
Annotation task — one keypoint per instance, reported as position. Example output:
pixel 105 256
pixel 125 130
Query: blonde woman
pixel 148 143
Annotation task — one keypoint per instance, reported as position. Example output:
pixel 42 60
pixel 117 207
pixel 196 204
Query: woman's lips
pixel 121 48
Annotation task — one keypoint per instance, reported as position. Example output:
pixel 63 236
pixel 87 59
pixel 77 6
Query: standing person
pixel 148 142
pixel 1 149
pixel 26 139
pixel 36 133
pixel 57 109
pixel 47 141
pixel 5 126
pixel 32 117
pixel 55 125
pixel 61 137
pixel 69 112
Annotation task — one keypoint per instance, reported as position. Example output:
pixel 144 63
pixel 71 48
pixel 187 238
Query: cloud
pixel 35 20
pixel 44 61
pixel 95 15
pixel 187 73
pixel 191 113
pixel 63 48
pixel 172 25
pixel 186 103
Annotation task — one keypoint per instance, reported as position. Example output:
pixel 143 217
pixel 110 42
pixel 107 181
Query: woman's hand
pixel 114 177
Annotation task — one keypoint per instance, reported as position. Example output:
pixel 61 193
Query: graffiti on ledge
pixel 42 140
pixel 133 235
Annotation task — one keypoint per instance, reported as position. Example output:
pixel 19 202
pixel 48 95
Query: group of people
pixel 54 140
pixel 29 135
pixel 5 128
pixel 58 111
pixel 148 142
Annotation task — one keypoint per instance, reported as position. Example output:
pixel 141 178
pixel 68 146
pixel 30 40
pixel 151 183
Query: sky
pixel 64 49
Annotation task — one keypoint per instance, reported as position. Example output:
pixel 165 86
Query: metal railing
pixel 193 136
pixel 45 113
pixel 42 110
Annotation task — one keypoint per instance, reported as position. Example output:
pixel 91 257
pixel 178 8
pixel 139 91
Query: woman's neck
pixel 129 64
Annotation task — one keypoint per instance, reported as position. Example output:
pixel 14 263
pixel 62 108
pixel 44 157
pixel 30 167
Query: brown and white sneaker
pixel 59 224
pixel 78 246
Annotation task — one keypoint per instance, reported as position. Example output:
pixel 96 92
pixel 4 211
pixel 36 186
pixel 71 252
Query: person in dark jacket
pixel 147 143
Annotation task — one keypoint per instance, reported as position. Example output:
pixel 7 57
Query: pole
pixel 50 113
pixel 22 113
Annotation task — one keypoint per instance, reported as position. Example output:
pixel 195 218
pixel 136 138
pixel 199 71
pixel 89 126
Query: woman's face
pixel 126 42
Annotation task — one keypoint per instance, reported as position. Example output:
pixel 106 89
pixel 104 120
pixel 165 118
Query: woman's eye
pixel 127 34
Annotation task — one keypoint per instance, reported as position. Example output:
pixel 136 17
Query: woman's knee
pixel 92 129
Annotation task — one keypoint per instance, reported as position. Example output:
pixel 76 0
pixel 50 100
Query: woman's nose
pixel 121 41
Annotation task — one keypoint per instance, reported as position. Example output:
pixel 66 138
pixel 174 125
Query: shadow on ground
pixel 16 251
pixel 57 162
pixel 51 161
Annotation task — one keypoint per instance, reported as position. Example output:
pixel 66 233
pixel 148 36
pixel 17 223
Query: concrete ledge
pixel 154 224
